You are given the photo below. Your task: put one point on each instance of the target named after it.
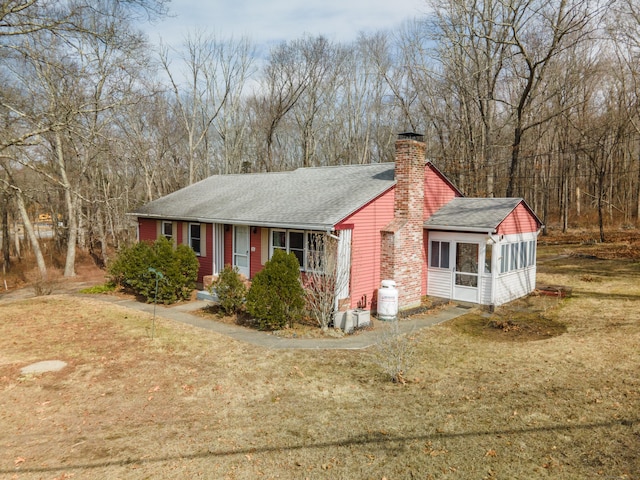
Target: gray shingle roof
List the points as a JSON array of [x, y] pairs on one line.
[[313, 198], [472, 214]]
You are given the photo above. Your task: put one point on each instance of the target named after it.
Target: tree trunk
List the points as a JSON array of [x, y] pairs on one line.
[[28, 228], [72, 227], [6, 244], [515, 156], [102, 238], [600, 213], [16, 239]]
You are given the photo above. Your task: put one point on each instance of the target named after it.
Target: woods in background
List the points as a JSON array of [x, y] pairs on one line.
[[530, 98]]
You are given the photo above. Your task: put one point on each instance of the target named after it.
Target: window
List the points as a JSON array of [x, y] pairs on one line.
[[532, 252], [279, 239], [514, 257], [296, 246], [167, 230], [315, 251], [439, 254], [504, 260], [194, 237], [307, 246], [488, 250], [517, 256]]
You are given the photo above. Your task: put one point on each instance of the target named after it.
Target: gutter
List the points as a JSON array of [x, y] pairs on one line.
[[453, 228], [225, 221]]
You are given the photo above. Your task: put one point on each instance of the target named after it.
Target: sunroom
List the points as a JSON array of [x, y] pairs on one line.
[[482, 250]]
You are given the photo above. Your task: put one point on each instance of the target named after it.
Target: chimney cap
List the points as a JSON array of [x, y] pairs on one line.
[[411, 136]]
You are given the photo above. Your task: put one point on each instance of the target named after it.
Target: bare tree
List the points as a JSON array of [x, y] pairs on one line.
[[321, 278], [285, 78], [217, 71], [72, 80], [472, 54], [10, 184], [539, 32]]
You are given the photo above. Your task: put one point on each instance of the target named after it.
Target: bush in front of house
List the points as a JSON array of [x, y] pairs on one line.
[[178, 268], [276, 297], [230, 290]]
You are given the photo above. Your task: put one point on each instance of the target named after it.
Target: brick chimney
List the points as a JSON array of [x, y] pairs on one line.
[[402, 242]]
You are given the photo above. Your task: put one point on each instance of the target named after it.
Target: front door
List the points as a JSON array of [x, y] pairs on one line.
[[241, 249], [465, 285]]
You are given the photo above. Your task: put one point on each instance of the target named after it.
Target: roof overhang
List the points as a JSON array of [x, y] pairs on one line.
[[323, 227], [453, 228]]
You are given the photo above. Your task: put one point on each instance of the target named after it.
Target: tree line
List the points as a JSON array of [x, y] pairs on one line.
[[530, 98]]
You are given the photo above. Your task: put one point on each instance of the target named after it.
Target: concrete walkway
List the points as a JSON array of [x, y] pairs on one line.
[[359, 340]]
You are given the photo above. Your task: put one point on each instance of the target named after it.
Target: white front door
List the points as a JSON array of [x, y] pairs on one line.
[[241, 249], [465, 281]]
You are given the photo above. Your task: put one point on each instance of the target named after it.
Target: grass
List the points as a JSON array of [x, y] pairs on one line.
[[194, 404], [99, 289]]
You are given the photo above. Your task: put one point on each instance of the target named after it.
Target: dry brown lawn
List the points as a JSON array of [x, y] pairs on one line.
[[194, 404]]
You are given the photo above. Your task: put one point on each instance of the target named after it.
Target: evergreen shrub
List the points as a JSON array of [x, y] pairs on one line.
[[230, 290], [276, 297], [178, 267]]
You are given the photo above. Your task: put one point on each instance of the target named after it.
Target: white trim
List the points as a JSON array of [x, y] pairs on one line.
[[246, 271], [304, 267], [171, 236], [343, 272], [218, 248]]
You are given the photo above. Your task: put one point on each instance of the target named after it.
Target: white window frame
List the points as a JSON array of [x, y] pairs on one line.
[[308, 251], [532, 252], [517, 255], [163, 231], [303, 266], [287, 248], [504, 258], [448, 257]]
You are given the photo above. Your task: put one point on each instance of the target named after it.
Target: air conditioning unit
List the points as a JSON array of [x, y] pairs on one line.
[[361, 318]]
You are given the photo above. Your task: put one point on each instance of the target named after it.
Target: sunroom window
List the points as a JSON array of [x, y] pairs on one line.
[[517, 256], [439, 254]]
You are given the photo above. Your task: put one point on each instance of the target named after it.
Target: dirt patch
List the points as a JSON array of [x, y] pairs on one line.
[[527, 319], [511, 327], [23, 280]]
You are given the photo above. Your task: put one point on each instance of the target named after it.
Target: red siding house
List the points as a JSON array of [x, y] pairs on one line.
[[402, 221]]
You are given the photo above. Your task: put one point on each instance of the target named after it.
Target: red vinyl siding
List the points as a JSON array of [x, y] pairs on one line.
[[147, 229], [520, 220], [255, 255], [365, 246], [206, 261], [437, 192]]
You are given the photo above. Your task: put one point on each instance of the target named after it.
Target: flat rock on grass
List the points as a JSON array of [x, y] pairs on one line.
[[44, 366]]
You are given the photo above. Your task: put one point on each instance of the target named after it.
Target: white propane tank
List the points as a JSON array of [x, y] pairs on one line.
[[387, 300]]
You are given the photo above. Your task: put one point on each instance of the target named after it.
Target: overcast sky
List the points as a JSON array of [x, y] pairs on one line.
[[269, 21]]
